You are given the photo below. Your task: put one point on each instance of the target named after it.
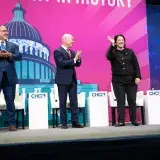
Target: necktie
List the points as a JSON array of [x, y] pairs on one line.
[[69, 53], [2, 46]]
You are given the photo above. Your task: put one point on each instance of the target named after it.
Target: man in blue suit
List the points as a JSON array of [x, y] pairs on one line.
[[9, 53], [66, 80]]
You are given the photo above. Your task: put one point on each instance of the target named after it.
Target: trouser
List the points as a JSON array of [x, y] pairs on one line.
[[9, 95], [120, 90], [62, 91]]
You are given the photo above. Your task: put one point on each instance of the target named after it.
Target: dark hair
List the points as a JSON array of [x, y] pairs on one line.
[[119, 35]]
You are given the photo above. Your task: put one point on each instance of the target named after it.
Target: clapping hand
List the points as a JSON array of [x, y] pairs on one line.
[[78, 54], [5, 54]]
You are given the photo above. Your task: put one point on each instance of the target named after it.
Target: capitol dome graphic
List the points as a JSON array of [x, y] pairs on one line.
[[35, 67], [35, 72]]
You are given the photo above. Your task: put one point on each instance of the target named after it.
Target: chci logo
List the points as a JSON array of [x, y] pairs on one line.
[[98, 94], [41, 95], [156, 93]]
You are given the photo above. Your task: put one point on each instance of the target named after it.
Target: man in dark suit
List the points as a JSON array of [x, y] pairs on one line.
[[9, 53], [66, 80]]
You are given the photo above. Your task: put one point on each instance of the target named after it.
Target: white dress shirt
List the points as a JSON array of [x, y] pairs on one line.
[[3, 43], [67, 51]]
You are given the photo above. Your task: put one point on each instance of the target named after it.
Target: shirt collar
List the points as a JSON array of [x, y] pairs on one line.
[[64, 47], [2, 41]]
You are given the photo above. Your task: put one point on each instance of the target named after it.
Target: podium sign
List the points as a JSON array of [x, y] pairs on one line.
[[38, 110], [98, 109], [152, 107]]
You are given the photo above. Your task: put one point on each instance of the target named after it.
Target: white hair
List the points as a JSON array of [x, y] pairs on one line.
[[66, 35]]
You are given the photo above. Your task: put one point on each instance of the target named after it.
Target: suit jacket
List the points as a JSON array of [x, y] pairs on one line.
[[125, 64], [8, 65], [65, 66]]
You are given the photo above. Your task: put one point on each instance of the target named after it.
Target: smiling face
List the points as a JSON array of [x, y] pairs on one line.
[[68, 40], [3, 33], [120, 42]]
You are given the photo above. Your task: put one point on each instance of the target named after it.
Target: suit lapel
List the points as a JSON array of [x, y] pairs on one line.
[[64, 52], [7, 46]]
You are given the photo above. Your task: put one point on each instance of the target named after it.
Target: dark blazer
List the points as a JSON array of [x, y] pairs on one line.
[[123, 64], [8, 65], [65, 66]]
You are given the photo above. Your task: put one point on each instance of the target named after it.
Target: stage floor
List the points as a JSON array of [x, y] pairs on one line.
[[58, 134]]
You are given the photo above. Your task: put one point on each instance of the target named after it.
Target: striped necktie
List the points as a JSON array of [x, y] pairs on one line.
[[69, 53], [3, 46]]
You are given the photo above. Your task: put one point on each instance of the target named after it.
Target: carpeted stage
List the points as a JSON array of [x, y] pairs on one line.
[[97, 143]]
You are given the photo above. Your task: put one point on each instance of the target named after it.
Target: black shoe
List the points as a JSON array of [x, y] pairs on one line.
[[77, 125], [12, 128], [135, 123], [64, 127], [119, 124]]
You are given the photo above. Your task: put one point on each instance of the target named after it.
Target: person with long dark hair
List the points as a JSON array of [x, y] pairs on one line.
[[126, 76]]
